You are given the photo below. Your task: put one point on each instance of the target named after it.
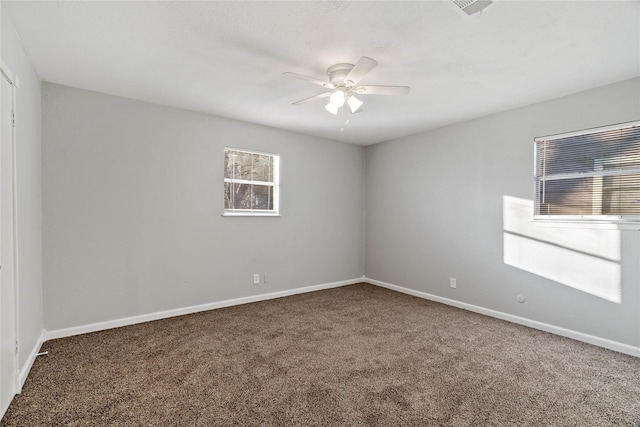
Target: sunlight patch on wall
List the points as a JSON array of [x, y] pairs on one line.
[[584, 259]]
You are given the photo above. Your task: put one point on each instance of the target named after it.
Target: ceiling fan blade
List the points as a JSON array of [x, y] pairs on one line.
[[309, 79], [361, 69], [382, 90], [312, 98]]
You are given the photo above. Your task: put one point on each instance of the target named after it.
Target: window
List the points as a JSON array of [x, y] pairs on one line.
[[250, 183], [589, 175]]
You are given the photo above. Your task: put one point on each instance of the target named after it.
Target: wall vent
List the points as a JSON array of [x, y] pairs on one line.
[[472, 6]]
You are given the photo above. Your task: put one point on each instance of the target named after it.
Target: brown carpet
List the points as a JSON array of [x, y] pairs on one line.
[[355, 356]]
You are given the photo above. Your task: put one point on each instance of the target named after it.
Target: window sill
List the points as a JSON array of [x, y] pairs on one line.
[[586, 223], [254, 214]]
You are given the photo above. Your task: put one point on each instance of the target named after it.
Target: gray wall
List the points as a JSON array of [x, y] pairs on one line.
[[456, 202], [132, 203], [28, 193]]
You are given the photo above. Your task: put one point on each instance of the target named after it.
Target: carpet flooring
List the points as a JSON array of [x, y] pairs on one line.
[[358, 355]]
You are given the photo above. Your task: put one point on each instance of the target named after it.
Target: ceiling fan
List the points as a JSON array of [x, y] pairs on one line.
[[342, 86]]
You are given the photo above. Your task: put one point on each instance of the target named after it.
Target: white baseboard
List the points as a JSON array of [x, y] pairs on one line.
[[94, 327], [24, 370], [579, 336]]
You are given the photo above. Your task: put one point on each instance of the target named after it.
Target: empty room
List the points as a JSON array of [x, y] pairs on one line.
[[319, 213]]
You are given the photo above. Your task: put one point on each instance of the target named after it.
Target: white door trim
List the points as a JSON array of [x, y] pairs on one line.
[[13, 81]]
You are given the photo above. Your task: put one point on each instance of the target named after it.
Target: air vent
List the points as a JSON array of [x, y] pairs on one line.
[[472, 6]]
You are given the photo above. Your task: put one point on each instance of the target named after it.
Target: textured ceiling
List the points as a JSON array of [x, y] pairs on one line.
[[226, 58]]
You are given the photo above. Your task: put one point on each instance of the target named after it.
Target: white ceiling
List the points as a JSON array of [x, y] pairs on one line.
[[226, 58]]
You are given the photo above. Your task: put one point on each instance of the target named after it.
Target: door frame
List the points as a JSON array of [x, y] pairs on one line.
[[13, 81]]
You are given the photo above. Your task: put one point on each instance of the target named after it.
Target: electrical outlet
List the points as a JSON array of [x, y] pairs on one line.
[[265, 278], [256, 279], [452, 282]]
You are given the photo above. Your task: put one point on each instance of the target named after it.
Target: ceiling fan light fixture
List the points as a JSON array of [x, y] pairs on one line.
[[344, 79], [354, 104], [332, 108], [337, 98]]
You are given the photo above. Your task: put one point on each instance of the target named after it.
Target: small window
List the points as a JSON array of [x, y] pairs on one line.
[[251, 184], [589, 175]]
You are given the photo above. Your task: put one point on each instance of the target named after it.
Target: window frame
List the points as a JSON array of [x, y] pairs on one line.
[[594, 219], [275, 183]]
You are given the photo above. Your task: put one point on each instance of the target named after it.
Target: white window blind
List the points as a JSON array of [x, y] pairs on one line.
[[251, 183], [589, 175]]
